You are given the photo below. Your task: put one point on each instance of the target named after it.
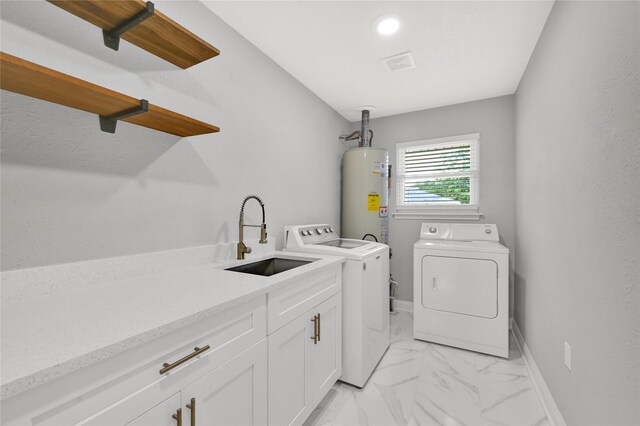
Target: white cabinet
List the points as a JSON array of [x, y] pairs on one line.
[[305, 360], [234, 394], [288, 389], [222, 369], [325, 356], [160, 415], [131, 410], [129, 388], [289, 302]]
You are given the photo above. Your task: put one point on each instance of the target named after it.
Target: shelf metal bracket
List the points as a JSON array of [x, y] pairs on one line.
[[112, 37], [108, 122]]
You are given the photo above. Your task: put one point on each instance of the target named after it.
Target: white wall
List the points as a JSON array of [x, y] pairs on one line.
[[72, 193], [577, 210], [494, 120]]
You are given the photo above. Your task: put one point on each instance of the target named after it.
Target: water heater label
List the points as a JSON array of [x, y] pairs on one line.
[[373, 202], [377, 167]]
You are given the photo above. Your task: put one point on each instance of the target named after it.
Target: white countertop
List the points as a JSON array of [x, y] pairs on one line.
[[47, 336]]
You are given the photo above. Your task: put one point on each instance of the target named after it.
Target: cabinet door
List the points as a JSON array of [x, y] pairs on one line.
[[289, 401], [132, 410], [325, 356], [233, 394], [160, 415]]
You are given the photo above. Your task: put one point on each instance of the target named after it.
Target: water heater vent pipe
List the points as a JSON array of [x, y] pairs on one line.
[[365, 136], [365, 142]]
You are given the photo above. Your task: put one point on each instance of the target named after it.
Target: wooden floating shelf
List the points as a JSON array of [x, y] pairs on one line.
[[27, 78], [158, 34]]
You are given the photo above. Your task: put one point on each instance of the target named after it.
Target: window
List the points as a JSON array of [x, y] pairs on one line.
[[438, 178]]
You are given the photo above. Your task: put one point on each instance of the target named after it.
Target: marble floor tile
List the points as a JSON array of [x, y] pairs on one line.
[[423, 383], [448, 388]]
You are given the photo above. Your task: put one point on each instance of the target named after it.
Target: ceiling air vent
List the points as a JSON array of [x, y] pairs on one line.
[[402, 61]]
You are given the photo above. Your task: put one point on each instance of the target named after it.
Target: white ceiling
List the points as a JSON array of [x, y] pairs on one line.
[[464, 50]]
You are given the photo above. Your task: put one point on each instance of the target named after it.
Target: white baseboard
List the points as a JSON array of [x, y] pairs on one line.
[[403, 305], [549, 405]]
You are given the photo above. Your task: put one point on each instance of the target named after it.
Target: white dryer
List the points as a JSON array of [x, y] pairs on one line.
[[461, 287], [365, 295]]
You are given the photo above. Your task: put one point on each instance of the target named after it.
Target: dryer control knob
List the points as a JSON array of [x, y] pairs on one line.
[[318, 231], [488, 231], [433, 229]]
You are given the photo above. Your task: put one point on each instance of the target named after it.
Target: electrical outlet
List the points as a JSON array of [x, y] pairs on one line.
[[567, 356]]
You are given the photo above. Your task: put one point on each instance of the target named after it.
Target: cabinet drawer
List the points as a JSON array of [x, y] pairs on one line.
[[288, 303], [80, 395], [127, 412], [242, 380]]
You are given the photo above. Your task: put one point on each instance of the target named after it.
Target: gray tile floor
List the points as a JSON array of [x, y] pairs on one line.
[[420, 383]]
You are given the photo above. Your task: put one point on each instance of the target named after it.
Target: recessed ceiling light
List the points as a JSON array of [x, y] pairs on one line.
[[387, 24]]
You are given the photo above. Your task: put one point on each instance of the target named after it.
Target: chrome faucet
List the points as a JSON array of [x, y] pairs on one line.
[[242, 247]]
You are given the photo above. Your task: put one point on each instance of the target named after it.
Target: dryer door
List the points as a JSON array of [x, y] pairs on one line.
[[460, 285]]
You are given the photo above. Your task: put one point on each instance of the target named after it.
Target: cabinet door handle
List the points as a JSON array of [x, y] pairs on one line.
[[377, 257], [192, 406], [315, 329], [434, 287], [319, 322], [364, 266], [196, 351], [178, 417]]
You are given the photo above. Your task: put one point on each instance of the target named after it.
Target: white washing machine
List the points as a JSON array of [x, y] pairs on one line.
[[365, 295], [461, 287]]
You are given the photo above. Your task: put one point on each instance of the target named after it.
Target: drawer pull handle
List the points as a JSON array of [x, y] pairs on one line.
[[192, 406], [196, 351], [316, 324], [178, 417]]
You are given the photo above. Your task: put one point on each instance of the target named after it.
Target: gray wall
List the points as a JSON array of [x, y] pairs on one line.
[[577, 210], [72, 193], [494, 120]]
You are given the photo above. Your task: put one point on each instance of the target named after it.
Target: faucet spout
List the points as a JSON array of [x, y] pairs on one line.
[[242, 247]]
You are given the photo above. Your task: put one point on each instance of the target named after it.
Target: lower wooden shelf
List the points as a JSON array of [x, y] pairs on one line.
[[24, 77]]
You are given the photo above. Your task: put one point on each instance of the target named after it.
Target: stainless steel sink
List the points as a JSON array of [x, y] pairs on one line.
[[269, 267]]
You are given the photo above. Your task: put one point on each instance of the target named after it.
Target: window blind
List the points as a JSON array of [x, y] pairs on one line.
[[432, 174]]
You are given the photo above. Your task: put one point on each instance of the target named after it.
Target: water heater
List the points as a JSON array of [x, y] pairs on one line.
[[365, 193]]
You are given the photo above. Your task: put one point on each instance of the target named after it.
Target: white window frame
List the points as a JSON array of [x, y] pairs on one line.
[[447, 211]]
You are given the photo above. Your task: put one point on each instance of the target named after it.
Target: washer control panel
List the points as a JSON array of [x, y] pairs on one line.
[[301, 235], [315, 233]]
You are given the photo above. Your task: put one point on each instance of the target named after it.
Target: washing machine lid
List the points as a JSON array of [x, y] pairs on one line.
[[357, 253], [343, 243], [470, 246], [324, 239]]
